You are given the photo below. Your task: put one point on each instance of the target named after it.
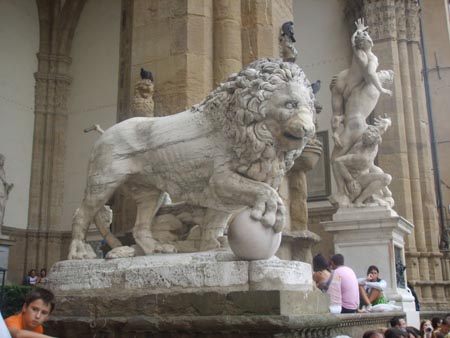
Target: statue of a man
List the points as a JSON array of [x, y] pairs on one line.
[[5, 188], [364, 182]]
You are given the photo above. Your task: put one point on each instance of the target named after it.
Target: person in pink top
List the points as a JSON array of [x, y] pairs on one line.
[[349, 284]]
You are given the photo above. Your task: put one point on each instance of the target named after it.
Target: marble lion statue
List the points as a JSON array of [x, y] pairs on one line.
[[229, 152]]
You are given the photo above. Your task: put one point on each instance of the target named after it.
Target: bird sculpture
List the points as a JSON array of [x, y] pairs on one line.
[[315, 86], [146, 75], [288, 29]]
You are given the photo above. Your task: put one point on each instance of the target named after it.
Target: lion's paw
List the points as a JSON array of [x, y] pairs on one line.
[[165, 248], [210, 244], [270, 211], [80, 250], [121, 252]]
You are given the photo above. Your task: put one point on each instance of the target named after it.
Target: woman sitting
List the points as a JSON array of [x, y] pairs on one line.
[[327, 282], [371, 288]]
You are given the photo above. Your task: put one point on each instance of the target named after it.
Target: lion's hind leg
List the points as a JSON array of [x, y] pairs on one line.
[[148, 204], [94, 199], [213, 227], [79, 249]]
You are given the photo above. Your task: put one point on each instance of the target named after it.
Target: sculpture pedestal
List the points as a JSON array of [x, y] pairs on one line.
[[193, 293], [375, 236], [5, 244], [296, 245]]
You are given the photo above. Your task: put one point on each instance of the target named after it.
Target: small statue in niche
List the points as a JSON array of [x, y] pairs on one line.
[[400, 274], [5, 188], [143, 104], [354, 93], [288, 52]]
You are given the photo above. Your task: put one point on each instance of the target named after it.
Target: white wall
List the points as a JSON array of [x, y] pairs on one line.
[[93, 96], [323, 42], [19, 41]]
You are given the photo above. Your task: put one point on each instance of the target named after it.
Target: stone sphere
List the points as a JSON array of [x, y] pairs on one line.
[[250, 240]]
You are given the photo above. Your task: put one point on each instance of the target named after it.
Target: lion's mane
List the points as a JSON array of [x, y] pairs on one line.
[[238, 106]]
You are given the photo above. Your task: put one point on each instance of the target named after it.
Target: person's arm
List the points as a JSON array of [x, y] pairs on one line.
[[362, 281], [16, 333], [381, 285]]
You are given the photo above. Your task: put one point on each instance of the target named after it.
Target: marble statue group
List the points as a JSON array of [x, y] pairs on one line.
[[232, 150], [354, 93]]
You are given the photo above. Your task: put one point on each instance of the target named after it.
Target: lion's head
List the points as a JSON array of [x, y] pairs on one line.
[[143, 89], [142, 104], [267, 113]]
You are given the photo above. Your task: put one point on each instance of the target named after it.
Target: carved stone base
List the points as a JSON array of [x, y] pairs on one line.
[[196, 293]]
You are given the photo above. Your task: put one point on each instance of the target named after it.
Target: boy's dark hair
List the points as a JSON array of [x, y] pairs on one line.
[[337, 259], [39, 293], [373, 267], [395, 321], [320, 263], [394, 332], [372, 333]]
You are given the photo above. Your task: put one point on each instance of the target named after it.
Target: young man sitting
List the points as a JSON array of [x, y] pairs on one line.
[[39, 303]]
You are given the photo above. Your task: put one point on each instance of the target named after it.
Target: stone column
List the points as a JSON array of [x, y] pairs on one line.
[[57, 27], [47, 174], [125, 85], [227, 37], [298, 240], [261, 23], [57, 21], [435, 20]]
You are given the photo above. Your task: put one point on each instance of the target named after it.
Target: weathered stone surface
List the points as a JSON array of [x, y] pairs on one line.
[[239, 326], [209, 292], [186, 273]]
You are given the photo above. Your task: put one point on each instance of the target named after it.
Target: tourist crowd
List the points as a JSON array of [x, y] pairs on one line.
[[434, 328], [349, 294]]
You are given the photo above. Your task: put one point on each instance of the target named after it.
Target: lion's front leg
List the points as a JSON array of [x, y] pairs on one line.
[[264, 201]]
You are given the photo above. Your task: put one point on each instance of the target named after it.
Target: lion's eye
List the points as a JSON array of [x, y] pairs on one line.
[[291, 104]]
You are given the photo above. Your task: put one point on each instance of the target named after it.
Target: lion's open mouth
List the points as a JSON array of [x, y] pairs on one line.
[[293, 137]]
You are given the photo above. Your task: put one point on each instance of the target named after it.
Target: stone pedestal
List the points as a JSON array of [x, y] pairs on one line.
[[195, 293], [375, 236], [5, 244]]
